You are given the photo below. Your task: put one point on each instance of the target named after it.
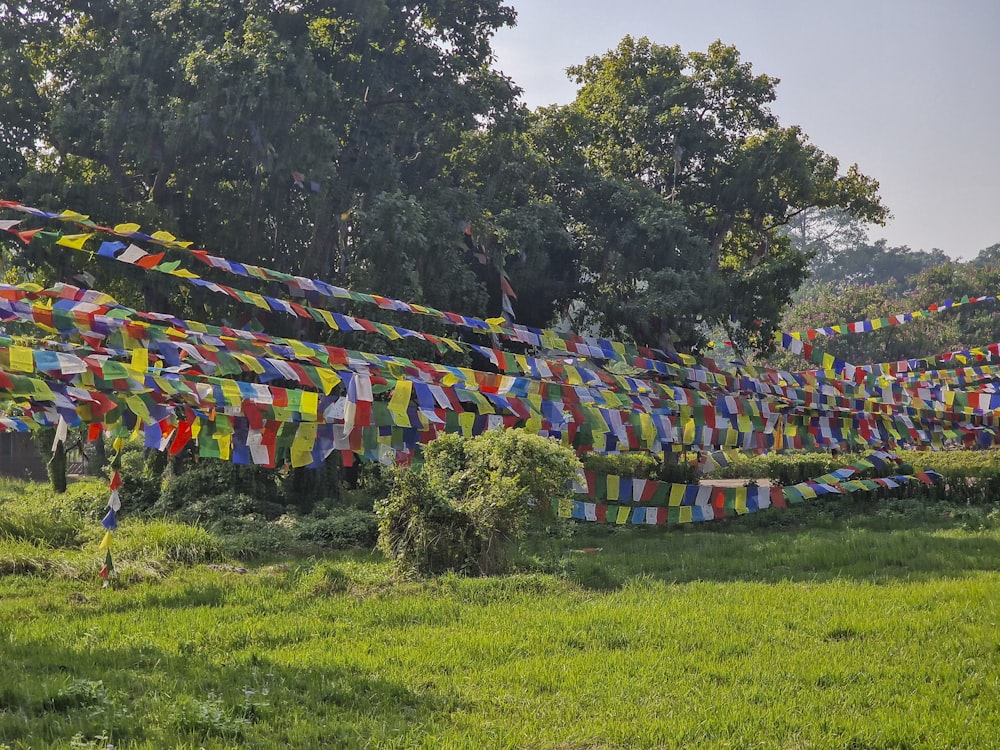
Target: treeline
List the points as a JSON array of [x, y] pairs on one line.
[[375, 145], [889, 290]]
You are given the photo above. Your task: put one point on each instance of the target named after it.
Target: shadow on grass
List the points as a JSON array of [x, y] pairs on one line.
[[54, 694], [868, 550]]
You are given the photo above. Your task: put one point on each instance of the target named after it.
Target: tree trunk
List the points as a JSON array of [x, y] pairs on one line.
[[98, 457], [57, 468]]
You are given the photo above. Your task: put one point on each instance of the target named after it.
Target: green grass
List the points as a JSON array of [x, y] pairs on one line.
[[864, 626]]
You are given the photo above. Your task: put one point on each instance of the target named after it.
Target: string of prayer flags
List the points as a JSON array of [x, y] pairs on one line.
[[874, 324], [662, 503], [571, 343], [110, 524]]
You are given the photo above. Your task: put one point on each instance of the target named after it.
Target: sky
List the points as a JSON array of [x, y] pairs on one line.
[[907, 89]]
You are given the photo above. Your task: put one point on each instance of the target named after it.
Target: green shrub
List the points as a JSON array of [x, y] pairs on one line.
[[245, 539], [345, 529], [214, 490], [635, 464], [303, 488], [462, 509], [969, 463], [422, 531]]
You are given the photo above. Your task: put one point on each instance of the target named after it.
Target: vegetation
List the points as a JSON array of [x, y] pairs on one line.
[[851, 623], [470, 501], [896, 280], [375, 144]]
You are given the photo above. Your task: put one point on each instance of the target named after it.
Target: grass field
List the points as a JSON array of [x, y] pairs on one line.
[[864, 627]]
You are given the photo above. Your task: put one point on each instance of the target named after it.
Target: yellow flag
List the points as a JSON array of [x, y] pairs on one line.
[[400, 401], [106, 541], [139, 408], [302, 444], [614, 483], [467, 420], [329, 379], [140, 359], [741, 500], [21, 359], [225, 443], [74, 241], [252, 362], [309, 404], [231, 393], [677, 494]]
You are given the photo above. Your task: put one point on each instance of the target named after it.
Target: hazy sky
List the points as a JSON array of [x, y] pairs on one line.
[[908, 89]]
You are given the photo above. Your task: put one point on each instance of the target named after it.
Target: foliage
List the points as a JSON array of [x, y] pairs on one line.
[[344, 529], [825, 304], [680, 178], [471, 498], [841, 253], [361, 140], [876, 264], [633, 464], [141, 470], [213, 490], [958, 463], [780, 468], [831, 303], [308, 135]]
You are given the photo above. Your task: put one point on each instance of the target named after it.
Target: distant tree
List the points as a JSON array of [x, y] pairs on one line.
[[824, 233], [988, 256], [977, 324], [875, 264], [829, 304]]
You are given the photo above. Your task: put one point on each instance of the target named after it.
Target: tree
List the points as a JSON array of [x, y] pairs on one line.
[[824, 233], [304, 136], [688, 141], [829, 304], [876, 264], [977, 324]]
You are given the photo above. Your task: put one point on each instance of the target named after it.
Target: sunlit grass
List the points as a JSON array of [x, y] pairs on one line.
[[876, 629]]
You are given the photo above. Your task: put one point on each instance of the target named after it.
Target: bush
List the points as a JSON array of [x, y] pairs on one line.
[[215, 490], [642, 466], [170, 542], [347, 528], [471, 499]]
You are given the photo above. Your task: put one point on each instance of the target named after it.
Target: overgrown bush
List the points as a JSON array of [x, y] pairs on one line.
[[642, 466], [470, 500], [344, 529], [214, 490]]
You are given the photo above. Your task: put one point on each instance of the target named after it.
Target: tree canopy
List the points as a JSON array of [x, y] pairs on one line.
[[680, 179], [374, 144]]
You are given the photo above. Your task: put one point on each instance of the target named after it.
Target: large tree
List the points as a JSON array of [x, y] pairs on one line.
[[307, 136], [678, 179]]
